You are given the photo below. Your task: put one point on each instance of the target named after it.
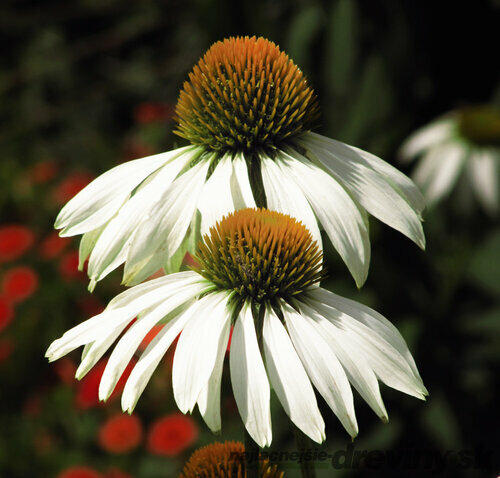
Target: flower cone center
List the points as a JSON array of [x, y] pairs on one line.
[[224, 460], [245, 95], [480, 125], [262, 255]]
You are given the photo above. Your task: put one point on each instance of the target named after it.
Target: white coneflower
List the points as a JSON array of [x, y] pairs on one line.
[[247, 111], [259, 271], [464, 141]]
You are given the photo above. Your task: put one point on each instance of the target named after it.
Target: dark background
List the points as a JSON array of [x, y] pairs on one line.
[[87, 84]]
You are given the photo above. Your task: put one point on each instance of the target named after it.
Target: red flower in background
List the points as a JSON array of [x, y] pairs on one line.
[[19, 283], [116, 473], [90, 305], [149, 112], [172, 434], [72, 185], [6, 312], [6, 349], [68, 266], [53, 245], [87, 395], [120, 433], [150, 336], [65, 369], [137, 149], [15, 240], [43, 171], [79, 472]]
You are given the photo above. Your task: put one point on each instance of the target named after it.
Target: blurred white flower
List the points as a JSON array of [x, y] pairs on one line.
[[465, 141], [259, 271], [247, 111]]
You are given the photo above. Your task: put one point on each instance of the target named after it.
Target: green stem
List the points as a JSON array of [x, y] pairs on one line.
[[304, 444], [251, 456]]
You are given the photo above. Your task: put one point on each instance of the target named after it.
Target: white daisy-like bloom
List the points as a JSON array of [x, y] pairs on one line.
[[258, 272], [246, 111], [465, 141]]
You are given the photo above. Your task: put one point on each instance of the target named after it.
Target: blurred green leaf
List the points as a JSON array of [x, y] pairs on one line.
[[301, 33], [341, 46], [484, 267]]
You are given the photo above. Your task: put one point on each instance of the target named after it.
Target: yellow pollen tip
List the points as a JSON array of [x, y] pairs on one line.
[[245, 95], [260, 254]]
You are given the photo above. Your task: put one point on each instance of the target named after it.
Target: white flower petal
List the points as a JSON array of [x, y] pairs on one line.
[[150, 358], [427, 137], [94, 351], [284, 196], [322, 366], [337, 212], [386, 361], [173, 216], [119, 312], [438, 170], [127, 345], [399, 181], [372, 319], [369, 188], [357, 368], [241, 190], [102, 198], [112, 246], [249, 379], [215, 199], [483, 173], [197, 349], [87, 243], [209, 397], [289, 379]]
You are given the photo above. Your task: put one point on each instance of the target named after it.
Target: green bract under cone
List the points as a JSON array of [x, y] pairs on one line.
[[245, 95]]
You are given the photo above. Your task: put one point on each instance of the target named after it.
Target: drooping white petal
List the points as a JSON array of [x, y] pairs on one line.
[[399, 181], [127, 345], [386, 361], [483, 173], [150, 358], [369, 188], [209, 397], [198, 347], [438, 170], [372, 319], [427, 137], [112, 245], [172, 219], [119, 312], [322, 366], [356, 366], [336, 211], [249, 379], [102, 198], [94, 351], [241, 190], [215, 199], [87, 243], [283, 195], [290, 380]]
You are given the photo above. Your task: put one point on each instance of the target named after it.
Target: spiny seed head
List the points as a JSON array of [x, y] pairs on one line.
[[245, 95], [225, 460], [480, 125], [261, 255]]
